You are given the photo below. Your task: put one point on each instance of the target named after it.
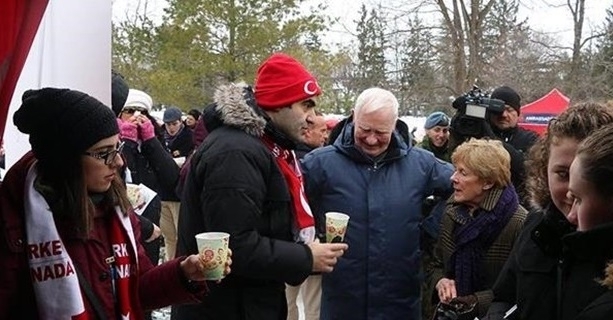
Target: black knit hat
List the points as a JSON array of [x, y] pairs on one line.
[[119, 92], [63, 121], [508, 95]]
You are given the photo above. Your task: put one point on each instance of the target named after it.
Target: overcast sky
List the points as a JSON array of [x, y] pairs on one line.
[[550, 16]]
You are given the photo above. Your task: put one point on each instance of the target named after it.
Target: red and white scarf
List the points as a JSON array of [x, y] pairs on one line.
[[53, 274], [290, 168]]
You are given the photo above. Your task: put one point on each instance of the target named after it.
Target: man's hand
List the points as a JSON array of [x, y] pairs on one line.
[[325, 255]]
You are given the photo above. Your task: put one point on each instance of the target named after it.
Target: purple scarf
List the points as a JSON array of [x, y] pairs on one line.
[[474, 236]]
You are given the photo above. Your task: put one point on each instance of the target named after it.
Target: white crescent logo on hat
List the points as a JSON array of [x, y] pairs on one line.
[[309, 91]]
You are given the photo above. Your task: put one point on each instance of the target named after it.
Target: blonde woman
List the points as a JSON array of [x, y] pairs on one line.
[[479, 227]]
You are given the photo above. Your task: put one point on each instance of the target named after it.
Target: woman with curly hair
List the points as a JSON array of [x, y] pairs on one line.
[[528, 278]]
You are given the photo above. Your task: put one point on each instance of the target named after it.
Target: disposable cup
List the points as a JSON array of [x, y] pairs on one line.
[[336, 225], [213, 250]]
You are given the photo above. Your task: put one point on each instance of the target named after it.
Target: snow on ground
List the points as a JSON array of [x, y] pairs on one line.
[[417, 123]]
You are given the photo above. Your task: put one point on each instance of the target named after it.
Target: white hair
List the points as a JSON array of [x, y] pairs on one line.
[[375, 99]]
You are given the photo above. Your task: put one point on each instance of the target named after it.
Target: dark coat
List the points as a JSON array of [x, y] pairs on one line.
[[519, 138], [517, 141], [302, 150], [599, 309], [574, 287], [157, 287], [379, 276], [585, 256], [235, 186], [183, 142], [152, 166], [528, 278]]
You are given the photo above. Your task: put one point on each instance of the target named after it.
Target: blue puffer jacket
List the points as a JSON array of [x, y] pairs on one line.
[[379, 276]]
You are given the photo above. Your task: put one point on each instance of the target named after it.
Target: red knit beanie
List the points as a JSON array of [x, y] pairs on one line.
[[281, 81]]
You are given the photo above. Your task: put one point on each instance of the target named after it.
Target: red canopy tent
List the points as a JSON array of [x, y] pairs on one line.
[[536, 115]]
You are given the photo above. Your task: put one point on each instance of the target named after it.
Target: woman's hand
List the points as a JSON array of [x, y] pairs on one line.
[[446, 290], [193, 268]]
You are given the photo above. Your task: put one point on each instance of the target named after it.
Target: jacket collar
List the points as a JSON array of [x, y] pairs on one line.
[[235, 107], [506, 133], [398, 147], [593, 245]]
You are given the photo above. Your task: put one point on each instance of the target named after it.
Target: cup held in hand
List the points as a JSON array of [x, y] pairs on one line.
[[336, 225], [213, 251]]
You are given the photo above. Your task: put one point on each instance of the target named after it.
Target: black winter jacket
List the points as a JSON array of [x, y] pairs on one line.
[[517, 141], [558, 280], [184, 143], [519, 138], [585, 256], [152, 166], [528, 278], [235, 186], [599, 309]]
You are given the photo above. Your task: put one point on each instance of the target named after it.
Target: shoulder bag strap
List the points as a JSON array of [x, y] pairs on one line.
[[89, 293]]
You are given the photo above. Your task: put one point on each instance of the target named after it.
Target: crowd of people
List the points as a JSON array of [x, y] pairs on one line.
[[503, 225]]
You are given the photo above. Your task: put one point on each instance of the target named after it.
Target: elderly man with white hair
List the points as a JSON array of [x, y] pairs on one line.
[[372, 173]]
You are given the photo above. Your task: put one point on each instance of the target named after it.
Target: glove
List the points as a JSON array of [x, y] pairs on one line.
[[127, 130], [145, 130]]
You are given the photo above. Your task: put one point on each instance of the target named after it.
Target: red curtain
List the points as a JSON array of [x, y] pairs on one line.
[[19, 21]]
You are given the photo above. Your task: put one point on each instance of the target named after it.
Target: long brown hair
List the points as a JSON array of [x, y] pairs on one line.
[[576, 122], [62, 184]]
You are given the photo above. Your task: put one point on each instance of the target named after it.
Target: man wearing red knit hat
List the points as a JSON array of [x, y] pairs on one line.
[[245, 180]]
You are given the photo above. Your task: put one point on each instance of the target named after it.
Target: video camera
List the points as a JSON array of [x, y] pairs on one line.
[[473, 112]]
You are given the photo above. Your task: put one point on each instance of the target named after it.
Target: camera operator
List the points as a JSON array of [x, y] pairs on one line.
[[504, 124], [477, 116]]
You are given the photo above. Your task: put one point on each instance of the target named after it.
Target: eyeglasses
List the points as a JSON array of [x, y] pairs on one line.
[[107, 156], [131, 110]]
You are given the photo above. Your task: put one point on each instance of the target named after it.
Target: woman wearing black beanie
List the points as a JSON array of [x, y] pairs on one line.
[[71, 246]]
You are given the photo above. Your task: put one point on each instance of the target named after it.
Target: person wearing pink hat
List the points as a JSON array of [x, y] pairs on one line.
[[245, 180]]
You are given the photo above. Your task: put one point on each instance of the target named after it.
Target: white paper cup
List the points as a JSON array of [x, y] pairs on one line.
[[213, 250], [336, 226]]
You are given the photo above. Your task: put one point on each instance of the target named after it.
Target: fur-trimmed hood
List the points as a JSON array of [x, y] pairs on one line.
[[235, 107]]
